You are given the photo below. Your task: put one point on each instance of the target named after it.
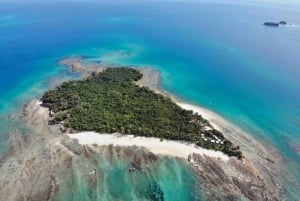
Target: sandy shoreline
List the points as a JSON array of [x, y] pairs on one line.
[[155, 145], [217, 121], [249, 146], [45, 159], [50, 153], [252, 148]]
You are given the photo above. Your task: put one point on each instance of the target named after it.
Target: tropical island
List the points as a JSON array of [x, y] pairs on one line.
[[69, 140], [112, 102]]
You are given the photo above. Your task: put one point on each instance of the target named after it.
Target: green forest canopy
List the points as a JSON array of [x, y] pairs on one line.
[[111, 102]]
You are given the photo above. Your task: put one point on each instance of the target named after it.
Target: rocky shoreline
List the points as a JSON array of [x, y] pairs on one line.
[[39, 164]]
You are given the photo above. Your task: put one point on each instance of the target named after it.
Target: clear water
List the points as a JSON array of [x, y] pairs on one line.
[[215, 55], [169, 179]]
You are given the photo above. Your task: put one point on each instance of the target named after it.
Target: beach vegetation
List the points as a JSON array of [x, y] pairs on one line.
[[111, 102]]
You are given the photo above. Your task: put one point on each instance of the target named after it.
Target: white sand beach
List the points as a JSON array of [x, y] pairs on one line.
[[155, 145], [249, 146], [51, 151], [180, 149], [215, 119]]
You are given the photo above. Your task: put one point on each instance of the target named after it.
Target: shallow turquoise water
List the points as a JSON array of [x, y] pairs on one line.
[[215, 55], [168, 180]]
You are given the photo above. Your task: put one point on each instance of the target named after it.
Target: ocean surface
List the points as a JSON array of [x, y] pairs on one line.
[[215, 55]]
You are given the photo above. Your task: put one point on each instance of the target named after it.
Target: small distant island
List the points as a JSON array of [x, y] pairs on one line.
[[112, 102], [275, 24]]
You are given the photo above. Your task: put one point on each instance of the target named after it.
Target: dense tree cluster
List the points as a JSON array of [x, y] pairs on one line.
[[111, 102]]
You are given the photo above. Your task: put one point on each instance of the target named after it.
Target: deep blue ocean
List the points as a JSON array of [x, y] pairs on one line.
[[212, 54]]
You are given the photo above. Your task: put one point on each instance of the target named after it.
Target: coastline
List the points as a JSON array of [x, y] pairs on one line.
[[248, 144], [250, 147], [256, 177], [213, 167], [155, 145]]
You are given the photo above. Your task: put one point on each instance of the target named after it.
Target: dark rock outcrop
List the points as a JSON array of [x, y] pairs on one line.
[[234, 180], [282, 23], [46, 163], [271, 24], [275, 24]]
